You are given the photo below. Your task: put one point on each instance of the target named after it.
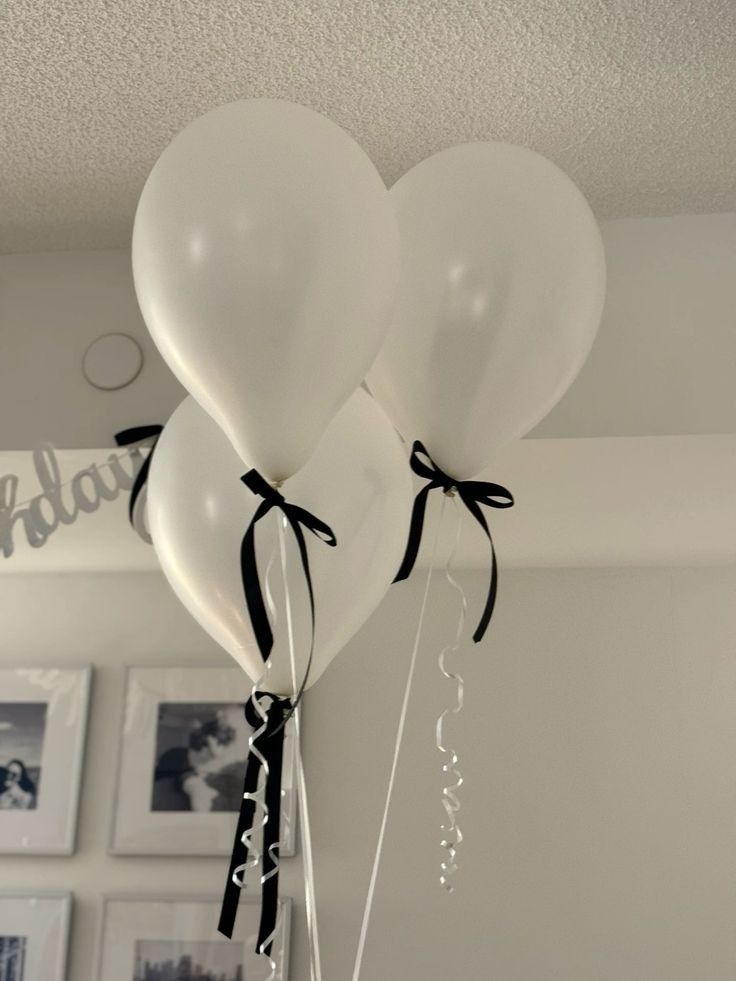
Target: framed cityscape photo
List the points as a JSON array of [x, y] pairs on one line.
[[43, 719], [155, 939], [33, 937], [182, 762]]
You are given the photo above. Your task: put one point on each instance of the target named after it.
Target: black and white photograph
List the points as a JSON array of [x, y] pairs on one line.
[[180, 960], [201, 751], [12, 958], [176, 939], [43, 721], [22, 728], [33, 937], [183, 754]]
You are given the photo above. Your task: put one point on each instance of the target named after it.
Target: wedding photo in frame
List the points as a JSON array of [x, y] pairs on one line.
[[34, 933], [43, 720], [152, 938], [182, 760]]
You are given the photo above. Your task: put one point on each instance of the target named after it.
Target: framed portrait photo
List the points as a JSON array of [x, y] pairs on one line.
[[33, 937], [182, 761], [167, 939], [43, 719]]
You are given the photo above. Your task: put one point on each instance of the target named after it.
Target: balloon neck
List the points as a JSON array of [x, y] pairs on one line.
[[451, 492]]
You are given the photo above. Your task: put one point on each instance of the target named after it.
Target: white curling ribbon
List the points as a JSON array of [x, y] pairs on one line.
[[254, 853], [271, 962], [398, 742], [450, 799], [258, 798], [249, 835], [271, 607], [273, 849]]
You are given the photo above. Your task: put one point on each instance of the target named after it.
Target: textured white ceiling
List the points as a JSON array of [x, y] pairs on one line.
[[636, 99]]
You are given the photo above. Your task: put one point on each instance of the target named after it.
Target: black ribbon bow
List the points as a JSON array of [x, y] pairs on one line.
[[127, 437], [270, 744], [472, 493], [297, 518], [267, 746]]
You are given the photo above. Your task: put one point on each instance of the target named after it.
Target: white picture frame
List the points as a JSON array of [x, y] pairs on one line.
[[43, 723], [138, 929], [163, 809], [34, 935]]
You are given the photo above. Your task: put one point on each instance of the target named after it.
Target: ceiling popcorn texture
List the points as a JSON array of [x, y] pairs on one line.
[[635, 99]]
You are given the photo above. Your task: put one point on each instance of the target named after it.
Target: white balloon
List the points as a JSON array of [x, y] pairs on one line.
[[265, 259], [500, 297], [357, 481]]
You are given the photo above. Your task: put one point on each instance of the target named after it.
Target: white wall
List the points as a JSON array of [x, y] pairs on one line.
[[598, 745], [664, 359], [52, 306]]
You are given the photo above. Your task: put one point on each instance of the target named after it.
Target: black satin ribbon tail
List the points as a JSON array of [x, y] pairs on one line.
[[269, 745], [128, 437], [298, 518], [472, 493]]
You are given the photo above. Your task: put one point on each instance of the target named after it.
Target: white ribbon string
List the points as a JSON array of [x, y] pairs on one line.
[[315, 963], [397, 752], [450, 800], [249, 836]]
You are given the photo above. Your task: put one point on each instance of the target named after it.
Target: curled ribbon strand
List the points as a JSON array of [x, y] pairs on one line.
[[266, 755], [368, 908], [267, 742], [472, 493], [249, 836], [297, 517], [450, 793], [252, 857], [249, 853]]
